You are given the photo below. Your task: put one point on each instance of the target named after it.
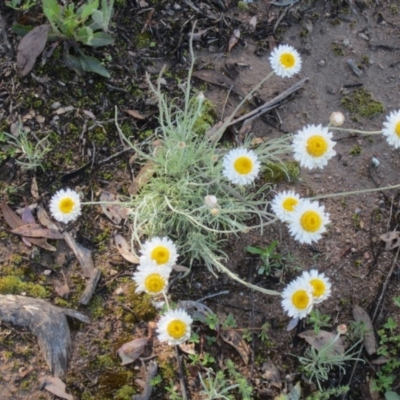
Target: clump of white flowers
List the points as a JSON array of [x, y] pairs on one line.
[[299, 297]]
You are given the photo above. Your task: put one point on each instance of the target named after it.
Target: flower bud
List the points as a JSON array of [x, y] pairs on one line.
[[341, 329], [215, 212], [336, 118], [201, 97], [211, 201]]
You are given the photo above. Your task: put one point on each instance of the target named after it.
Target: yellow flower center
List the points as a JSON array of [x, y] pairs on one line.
[[160, 255], [301, 299], [397, 129], [243, 165], [66, 205], [289, 203], [317, 146], [287, 60], [154, 283], [176, 328], [311, 221], [318, 287]]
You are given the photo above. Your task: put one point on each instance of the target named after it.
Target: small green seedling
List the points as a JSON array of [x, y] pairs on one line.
[[21, 5], [269, 258], [318, 320], [87, 25]]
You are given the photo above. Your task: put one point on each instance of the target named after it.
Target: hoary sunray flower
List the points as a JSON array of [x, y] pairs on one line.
[[313, 146], [321, 287], [297, 298], [285, 61], [174, 327], [391, 129], [159, 252], [65, 205], [284, 204], [241, 166], [308, 221], [150, 279]]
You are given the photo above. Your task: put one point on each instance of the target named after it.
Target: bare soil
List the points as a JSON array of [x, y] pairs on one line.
[[351, 254]]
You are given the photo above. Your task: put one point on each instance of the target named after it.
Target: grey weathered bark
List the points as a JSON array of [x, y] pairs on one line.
[[47, 322]]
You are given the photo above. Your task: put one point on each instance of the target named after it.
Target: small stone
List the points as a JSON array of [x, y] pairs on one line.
[[322, 63], [47, 272], [346, 42]]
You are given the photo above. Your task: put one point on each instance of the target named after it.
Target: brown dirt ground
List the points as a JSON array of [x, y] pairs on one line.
[[351, 253]]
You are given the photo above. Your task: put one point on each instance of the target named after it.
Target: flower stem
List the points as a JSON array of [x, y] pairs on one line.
[[327, 196], [333, 128]]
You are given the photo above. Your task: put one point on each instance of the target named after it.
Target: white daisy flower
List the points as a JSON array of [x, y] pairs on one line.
[[285, 61], [152, 280], [391, 129], [308, 221], [174, 327], [313, 146], [297, 298], [284, 204], [65, 205], [241, 166], [159, 252], [321, 287]]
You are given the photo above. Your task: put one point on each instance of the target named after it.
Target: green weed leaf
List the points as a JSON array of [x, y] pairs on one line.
[[87, 9], [101, 39]]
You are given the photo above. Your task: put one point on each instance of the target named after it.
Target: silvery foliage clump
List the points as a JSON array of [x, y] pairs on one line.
[[187, 167]]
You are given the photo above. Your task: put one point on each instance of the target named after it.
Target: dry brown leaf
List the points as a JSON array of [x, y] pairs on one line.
[[61, 288], [45, 220], [34, 188], [14, 221], [234, 338], [125, 250], [391, 239], [136, 114], [322, 338], [144, 175], [37, 231], [233, 39], [83, 255], [114, 212], [131, 351], [56, 386], [27, 216], [370, 343], [30, 46], [89, 114], [187, 348], [271, 374], [180, 268], [253, 23], [217, 78]]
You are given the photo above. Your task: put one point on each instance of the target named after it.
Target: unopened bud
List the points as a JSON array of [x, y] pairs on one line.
[[336, 118], [181, 145], [215, 212], [341, 329], [210, 201], [214, 158], [201, 97]]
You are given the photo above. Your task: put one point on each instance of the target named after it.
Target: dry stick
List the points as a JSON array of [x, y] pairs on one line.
[[269, 105], [181, 377], [378, 304]]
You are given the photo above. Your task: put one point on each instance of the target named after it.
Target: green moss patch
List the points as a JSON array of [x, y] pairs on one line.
[[14, 285], [362, 103]]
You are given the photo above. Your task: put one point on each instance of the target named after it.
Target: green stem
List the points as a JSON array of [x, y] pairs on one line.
[[327, 196], [333, 128]]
